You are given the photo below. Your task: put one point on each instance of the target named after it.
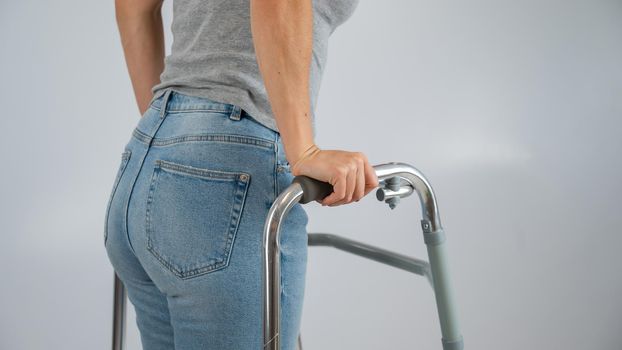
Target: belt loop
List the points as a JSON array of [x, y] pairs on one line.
[[165, 100], [236, 112]]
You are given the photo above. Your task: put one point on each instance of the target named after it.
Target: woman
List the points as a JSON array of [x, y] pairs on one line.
[[227, 122]]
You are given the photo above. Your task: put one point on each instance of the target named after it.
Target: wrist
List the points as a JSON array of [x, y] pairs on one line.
[[307, 153], [295, 150]]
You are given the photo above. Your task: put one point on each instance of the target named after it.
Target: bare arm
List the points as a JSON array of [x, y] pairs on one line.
[[142, 37], [283, 39], [282, 35]]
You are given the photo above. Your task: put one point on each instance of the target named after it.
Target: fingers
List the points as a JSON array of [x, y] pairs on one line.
[[371, 179], [350, 186], [354, 179], [359, 192], [339, 189]]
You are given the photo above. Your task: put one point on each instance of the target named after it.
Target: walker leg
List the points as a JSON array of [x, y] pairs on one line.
[[299, 347], [450, 329], [118, 315]]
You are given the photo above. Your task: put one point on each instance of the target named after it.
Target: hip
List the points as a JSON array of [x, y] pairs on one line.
[[195, 163]]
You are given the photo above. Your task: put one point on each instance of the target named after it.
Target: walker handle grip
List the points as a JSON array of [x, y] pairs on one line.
[[312, 189]]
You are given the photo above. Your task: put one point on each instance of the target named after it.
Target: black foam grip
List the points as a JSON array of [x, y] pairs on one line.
[[312, 189]]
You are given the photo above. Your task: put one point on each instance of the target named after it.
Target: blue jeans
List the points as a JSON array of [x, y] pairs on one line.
[[184, 226]]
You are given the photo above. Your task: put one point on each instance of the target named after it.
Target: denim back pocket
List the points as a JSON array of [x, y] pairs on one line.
[[192, 216], [125, 157]]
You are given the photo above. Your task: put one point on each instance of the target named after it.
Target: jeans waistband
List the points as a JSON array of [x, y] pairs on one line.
[[179, 102], [174, 101]]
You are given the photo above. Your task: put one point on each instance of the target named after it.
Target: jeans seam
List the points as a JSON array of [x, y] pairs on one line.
[[191, 110], [125, 157], [225, 138], [276, 164]]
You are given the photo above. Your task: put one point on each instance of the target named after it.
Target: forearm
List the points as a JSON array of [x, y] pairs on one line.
[[142, 38], [282, 35]]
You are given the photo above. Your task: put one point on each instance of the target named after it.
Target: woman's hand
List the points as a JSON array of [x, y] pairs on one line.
[[350, 174]]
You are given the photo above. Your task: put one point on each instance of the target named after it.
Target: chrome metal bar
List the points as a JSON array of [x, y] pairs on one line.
[[271, 263], [404, 262], [433, 234], [429, 208], [118, 315]]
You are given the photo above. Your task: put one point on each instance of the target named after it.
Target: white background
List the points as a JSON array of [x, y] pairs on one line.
[[512, 110]]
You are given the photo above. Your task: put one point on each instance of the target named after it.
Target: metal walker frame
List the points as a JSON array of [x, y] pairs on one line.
[[396, 180]]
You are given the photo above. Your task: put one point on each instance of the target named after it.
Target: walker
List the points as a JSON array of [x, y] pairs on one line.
[[396, 180]]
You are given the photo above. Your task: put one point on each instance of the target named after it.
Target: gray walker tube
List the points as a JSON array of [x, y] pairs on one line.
[[397, 180]]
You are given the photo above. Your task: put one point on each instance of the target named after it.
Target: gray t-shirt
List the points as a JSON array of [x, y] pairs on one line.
[[213, 55]]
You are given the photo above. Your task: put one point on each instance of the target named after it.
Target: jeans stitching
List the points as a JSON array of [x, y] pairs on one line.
[[125, 157], [276, 164], [190, 110], [202, 172], [227, 138], [192, 270]]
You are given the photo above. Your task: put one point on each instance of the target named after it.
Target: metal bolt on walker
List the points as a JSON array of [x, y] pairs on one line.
[[392, 190]]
